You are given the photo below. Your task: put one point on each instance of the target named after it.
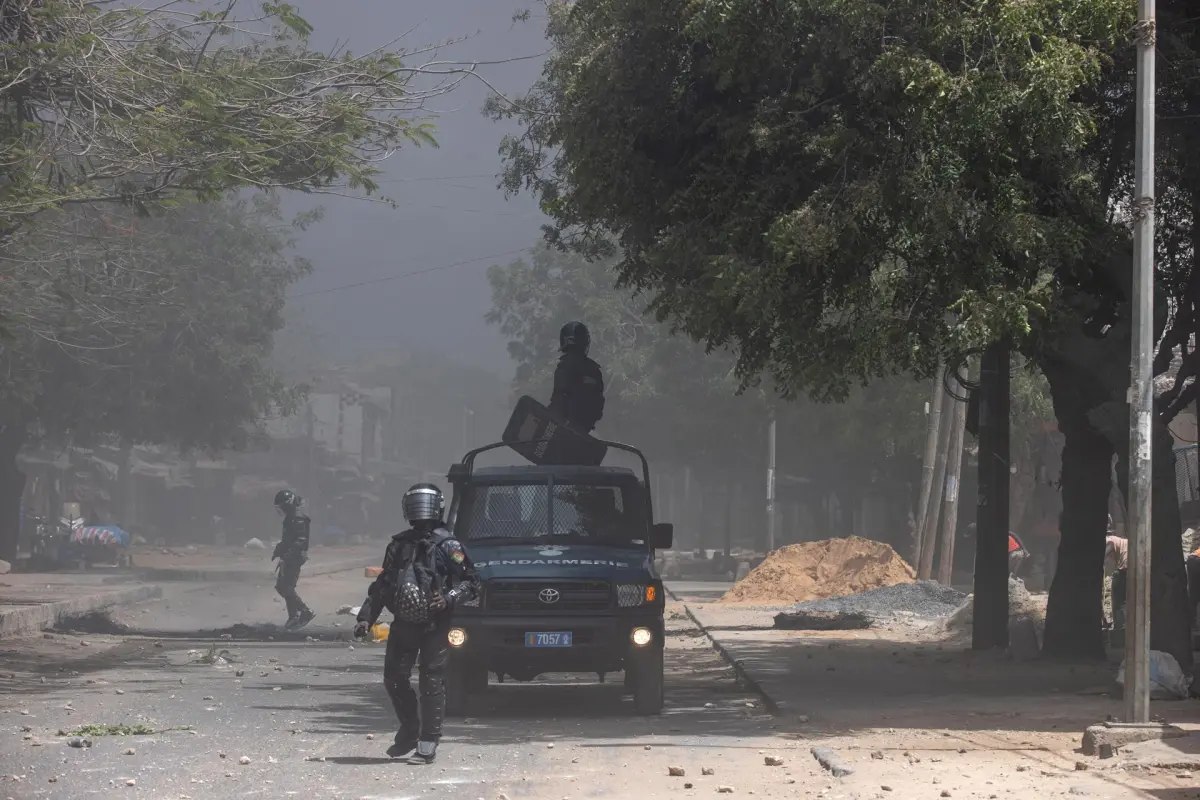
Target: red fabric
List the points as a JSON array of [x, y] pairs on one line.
[[1013, 544]]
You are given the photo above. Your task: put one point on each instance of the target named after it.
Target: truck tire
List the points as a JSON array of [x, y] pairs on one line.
[[463, 684], [648, 685]]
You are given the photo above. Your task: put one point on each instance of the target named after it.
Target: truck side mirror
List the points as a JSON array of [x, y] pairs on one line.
[[458, 473], [662, 536]]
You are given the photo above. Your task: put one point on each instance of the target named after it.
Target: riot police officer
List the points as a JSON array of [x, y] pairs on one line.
[[425, 574], [292, 552], [578, 395]]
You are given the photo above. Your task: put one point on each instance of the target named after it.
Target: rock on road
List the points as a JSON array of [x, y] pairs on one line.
[[290, 717]]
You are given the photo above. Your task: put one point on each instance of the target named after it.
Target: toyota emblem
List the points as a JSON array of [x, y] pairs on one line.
[[549, 596]]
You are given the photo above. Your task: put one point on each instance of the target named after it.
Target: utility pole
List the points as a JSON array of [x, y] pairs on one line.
[[1141, 391], [933, 429], [929, 531], [771, 484], [958, 426], [991, 552]]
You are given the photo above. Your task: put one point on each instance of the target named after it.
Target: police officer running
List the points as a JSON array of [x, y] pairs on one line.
[[578, 395], [425, 574], [292, 552]]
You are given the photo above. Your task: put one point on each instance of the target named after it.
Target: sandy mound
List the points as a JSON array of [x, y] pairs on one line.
[[817, 570]]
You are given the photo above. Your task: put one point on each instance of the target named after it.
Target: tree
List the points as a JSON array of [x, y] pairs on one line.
[[682, 405], [105, 102], [852, 190], [161, 333]]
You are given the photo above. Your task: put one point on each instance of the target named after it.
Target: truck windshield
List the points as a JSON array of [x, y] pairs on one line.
[[604, 514]]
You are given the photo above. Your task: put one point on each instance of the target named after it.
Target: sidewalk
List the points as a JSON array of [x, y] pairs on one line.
[[31, 602], [889, 699], [217, 564]]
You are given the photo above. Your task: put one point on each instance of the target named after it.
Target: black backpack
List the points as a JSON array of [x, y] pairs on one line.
[[416, 579]]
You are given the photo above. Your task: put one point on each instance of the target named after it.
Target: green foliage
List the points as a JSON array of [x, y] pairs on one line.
[[666, 394], [157, 330], [839, 190], [107, 102]]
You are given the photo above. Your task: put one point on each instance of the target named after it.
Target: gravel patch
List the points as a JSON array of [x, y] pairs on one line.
[[922, 601]]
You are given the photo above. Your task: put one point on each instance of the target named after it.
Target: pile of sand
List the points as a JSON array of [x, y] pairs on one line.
[[817, 570]]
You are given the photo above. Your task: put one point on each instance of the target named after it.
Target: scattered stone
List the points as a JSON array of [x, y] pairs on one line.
[[5, 567], [120, 691], [709, 705], [129, 751], [772, 761], [1080, 766], [1106, 751], [724, 790], [240, 673], [830, 760], [707, 771], [886, 788], [687, 786], [877, 755], [802, 719], [221, 755], [675, 772], [244, 760], [131, 782], [647, 747], [945, 792], [83, 643], [208, 697], [53, 779], [227, 636], [315, 758], [79, 741], [370, 736], [1078, 790], [255, 544]]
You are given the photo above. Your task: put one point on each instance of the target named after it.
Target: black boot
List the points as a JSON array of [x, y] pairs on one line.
[[403, 745], [300, 620], [426, 752]]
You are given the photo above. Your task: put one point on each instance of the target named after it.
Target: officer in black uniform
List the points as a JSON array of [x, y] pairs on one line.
[[425, 643], [578, 383], [292, 552]]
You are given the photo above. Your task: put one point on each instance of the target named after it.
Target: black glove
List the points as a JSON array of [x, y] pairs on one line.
[[360, 629], [437, 601], [279, 551]]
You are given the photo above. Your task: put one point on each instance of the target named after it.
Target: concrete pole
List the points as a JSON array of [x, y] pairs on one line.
[[954, 459], [1141, 391], [771, 485], [932, 431], [929, 531]]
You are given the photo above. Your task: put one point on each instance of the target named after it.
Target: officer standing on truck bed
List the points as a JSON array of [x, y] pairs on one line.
[[425, 574], [578, 395]]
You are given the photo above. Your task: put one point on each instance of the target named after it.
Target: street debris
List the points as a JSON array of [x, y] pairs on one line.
[[79, 742], [244, 760], [773, 761], [816, 570], [675, 772], [255, 544], [920, 601], [707, 771], [821, 621], [832, 762]]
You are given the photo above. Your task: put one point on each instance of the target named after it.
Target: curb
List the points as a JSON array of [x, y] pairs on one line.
[[240, 575], [776, 708], [38, 617]]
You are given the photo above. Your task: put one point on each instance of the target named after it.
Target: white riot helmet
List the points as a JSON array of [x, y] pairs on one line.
[[424, 502]]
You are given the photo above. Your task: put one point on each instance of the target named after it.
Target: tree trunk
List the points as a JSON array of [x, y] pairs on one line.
[[1074, 614], [932, 437], [991, 551], [124, 489], [933, 510], [12, 487], [1170, 621]]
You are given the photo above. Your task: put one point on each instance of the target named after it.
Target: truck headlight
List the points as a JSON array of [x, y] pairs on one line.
[[641, 636], [456, 637], [635, 594]]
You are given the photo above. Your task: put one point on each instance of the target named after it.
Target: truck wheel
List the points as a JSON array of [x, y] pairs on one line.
[[648, 685]]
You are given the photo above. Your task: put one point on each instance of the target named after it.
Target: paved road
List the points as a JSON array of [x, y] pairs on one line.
[[313, 720]]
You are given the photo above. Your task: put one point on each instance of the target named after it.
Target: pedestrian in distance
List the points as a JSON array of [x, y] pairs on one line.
[[425, 574], [292, 552]]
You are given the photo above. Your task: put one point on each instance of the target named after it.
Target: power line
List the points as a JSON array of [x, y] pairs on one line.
[[440, 178], [404, 275]]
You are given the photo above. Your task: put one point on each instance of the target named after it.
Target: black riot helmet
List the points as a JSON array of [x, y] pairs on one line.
[[574, 336], [288, 501], [423, 503]]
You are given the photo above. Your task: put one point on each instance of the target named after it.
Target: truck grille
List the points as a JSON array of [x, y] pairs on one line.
[[526, 596]]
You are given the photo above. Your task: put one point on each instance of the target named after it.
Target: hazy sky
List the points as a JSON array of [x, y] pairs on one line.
[[449, 207]]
